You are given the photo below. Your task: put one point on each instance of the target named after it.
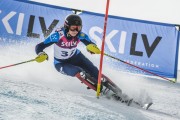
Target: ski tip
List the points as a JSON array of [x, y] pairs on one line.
[[146, 106]]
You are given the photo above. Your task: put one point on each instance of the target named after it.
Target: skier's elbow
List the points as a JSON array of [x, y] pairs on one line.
[[39, 48]]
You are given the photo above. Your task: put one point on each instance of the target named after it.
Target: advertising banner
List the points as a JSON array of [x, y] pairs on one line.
[[149, 45]]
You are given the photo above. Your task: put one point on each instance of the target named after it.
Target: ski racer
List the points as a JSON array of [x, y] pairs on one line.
[[70, 61]]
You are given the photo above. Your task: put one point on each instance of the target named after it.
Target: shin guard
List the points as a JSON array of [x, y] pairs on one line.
[[87, 80]]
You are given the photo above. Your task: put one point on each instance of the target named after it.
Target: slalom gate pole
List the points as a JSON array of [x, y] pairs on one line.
[[18, 63], [139, 68], [102, 51]]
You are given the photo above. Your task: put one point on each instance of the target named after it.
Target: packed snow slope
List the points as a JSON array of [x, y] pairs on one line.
[[22, 100], [36, 91]]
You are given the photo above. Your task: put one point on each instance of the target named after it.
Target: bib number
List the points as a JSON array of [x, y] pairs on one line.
[[65, 53]]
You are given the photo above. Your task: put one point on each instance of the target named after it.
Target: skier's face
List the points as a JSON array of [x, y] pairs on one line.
[[73, 30]]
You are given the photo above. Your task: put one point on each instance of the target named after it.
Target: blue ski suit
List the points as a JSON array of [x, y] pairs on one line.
[[68, 59]]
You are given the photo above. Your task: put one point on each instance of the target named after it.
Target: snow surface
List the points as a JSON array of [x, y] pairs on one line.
[[35, 91], [21, 100]]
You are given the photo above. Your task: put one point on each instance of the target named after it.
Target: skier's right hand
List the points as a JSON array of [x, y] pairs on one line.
[[42, 56]]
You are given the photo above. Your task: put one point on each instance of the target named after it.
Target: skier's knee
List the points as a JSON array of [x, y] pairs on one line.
[[84, 78], [83, 74]]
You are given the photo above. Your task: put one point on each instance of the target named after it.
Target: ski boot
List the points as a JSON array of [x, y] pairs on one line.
[[112, 90]]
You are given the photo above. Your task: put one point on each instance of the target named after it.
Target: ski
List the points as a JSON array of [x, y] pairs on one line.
[[119, 96], [129, 102], [145, 106], [132, 103]]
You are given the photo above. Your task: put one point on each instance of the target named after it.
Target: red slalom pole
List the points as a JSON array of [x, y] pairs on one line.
[[102, 51]]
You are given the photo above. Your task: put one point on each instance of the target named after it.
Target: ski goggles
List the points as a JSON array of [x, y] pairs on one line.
[[75, 28]]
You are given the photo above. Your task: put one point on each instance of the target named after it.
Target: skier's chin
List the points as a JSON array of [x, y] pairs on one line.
[[73, 34]]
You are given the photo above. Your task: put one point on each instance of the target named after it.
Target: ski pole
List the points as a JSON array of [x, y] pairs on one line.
[[96, 50], [18, 63], [39, 59]]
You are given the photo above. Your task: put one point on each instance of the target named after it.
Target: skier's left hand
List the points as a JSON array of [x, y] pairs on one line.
[[42, 56], [93, 49]]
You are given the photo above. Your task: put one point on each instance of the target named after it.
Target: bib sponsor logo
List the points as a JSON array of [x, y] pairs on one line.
[[69, 44]]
